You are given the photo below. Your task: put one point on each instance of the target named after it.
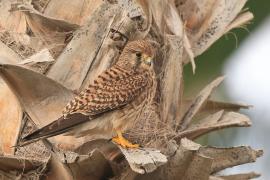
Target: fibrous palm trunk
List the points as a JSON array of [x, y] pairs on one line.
[[73, 42]]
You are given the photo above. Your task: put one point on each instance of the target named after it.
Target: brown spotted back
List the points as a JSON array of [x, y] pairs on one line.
[[113, 89]]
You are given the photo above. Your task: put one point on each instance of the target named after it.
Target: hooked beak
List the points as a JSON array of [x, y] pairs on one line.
[[148, 60]]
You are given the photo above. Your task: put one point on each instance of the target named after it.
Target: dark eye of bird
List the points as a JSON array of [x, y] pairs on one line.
[[138, 54]]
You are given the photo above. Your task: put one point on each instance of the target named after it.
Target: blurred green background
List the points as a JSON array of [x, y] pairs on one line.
[[209, 64]]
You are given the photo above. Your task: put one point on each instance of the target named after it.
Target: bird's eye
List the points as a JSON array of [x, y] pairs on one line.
[[138, 54]]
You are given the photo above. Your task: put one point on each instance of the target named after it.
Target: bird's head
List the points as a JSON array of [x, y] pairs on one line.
[[138, 54]]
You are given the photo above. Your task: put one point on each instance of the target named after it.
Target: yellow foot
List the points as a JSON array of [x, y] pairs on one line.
[[123, 142]]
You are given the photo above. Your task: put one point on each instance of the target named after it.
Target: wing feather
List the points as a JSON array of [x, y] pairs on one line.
[[112, 89]]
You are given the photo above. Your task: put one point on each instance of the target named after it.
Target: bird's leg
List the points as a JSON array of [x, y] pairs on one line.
[[119, 139]]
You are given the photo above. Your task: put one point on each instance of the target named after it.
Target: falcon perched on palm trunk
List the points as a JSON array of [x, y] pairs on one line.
[[120, 93]]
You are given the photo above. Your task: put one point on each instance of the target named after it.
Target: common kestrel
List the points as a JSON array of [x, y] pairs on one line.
[[120, 94]]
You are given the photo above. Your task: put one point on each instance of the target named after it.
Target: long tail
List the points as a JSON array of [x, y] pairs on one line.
[[57, 127]]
